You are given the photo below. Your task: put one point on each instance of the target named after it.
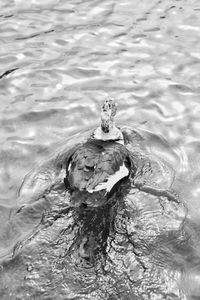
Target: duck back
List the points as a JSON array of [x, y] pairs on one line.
[[97, 165]]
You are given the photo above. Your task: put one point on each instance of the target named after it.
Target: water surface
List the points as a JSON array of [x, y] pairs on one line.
[[59, 60]]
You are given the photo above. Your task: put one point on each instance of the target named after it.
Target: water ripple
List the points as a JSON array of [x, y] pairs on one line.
[[59, 61]]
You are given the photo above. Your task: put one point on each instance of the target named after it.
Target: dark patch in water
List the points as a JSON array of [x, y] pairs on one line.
[[28, 37], [8, 72], [152, 29], [181, 88], [48, 31], [8, 16], [33, 35], [141, 19]]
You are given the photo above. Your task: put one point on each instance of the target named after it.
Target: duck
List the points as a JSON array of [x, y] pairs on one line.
[[98, 167]]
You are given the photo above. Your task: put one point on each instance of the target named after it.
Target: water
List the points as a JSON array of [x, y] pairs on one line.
[[58, 62]]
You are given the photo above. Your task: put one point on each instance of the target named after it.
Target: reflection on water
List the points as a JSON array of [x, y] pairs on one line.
[[58, 61]]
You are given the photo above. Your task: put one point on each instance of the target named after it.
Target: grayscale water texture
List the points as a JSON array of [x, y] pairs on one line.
[[58, 61]]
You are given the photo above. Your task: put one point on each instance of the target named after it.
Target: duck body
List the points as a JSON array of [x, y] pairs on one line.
[[95, 169], [93, 164], [150, 172], [98, 166]]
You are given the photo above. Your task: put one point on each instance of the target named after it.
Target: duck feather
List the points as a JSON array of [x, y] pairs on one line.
[[98, 165]]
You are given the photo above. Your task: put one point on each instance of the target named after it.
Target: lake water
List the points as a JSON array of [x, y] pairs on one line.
[[58, 61]]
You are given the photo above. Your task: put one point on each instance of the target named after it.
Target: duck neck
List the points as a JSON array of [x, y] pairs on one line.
[[108, 131], [107, 122]]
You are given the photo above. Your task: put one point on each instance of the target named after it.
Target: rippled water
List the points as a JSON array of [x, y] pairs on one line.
[[59, 60]]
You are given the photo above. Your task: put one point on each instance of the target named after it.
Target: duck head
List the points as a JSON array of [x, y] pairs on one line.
[[107, 129]]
